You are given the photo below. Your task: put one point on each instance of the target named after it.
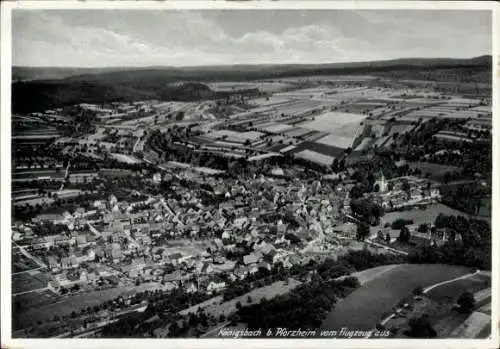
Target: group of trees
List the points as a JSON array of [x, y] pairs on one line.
[[466, 198], [304, 308], [400, 223], [162, 307], [366, 210], [473, 249]]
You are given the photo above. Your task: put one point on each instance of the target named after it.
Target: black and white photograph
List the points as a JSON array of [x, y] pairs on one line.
[[250, 172]]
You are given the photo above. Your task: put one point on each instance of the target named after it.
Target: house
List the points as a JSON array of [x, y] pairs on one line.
[[204, 268], [226, 234], [157, 177], [264, 265], [381, 183], [69, 262], [216, 285], [253, 268], [53, 263], [174, 258], [17, 236], [54, 218], [251, 258], [135, 268], [173, 277], [39, 243], [103, 271], [240, 272], [81, 240], [191, 287]]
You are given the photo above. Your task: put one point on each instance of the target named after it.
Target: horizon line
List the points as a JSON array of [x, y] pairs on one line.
[[250, 64]]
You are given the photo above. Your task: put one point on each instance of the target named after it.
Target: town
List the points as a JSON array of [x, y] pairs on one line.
[[166, 219]]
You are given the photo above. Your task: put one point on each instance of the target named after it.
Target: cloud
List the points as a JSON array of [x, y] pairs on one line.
[[132, 38]]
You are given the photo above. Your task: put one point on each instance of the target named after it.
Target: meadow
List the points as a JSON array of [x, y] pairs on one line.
[[453, 290], [364, 307]]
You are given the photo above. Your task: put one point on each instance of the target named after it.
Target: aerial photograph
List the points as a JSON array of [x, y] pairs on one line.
[[277, 173]]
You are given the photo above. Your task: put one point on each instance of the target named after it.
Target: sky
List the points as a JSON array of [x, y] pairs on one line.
[[133, 38]]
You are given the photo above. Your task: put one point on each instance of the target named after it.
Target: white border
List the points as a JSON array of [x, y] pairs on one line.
[[5, 204]]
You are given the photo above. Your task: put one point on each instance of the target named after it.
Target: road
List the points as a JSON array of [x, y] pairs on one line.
[[386, 247], [30, 291], [65, 175], [427, 289], [94, 230], [26, 271], [139, 141], [214, 330], [30, 256]]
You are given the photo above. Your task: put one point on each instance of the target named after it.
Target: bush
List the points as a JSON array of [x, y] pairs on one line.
[[418, 291], [400, 223], [466, 302], [421, 328], [423, 228]]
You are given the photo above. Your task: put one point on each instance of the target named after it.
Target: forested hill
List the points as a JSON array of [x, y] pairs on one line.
[[51, 73], [105, 84]]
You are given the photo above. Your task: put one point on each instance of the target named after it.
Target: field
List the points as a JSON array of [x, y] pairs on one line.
[[29, 281], [473, 326], [276, 127], [227, 308], [368, 275], [35, 174], [419, 216], [129, 159], [315, 157], [336, 141], [332, 121], [363, 308], [298, 132], [35, 299], [453, 290], [365, 143], [264, 86], [20, 262], [436, 171], [78, 301]]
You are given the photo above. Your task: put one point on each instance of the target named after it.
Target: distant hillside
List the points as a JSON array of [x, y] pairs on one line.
[[48, 73], [128, 84]]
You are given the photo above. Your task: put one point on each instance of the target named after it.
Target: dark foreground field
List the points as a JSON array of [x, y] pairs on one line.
[[365, 307]]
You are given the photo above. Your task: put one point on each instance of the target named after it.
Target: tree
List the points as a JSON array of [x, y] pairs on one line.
[[404, 235], [466, 302], [423, 228], [406, 188], [356, 192], [421, 328], [418, 291], [362, 231]]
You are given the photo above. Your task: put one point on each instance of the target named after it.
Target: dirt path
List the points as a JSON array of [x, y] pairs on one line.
[[427, 289]]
